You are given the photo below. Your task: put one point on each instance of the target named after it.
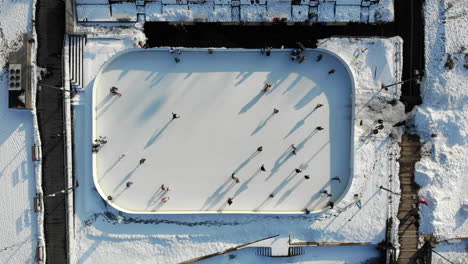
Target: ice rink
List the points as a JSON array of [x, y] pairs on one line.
[[224, 117]]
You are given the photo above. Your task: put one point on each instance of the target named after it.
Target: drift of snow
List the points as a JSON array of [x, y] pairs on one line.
[[441, 122]]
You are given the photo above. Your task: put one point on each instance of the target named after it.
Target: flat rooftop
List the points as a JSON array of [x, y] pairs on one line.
[[224, 117]]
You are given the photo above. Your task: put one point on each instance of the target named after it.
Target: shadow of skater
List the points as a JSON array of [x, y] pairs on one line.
[[245, 162], [300, 123], [252, 102], [126, 178], [157, 134], [262, 124], [287, 154]]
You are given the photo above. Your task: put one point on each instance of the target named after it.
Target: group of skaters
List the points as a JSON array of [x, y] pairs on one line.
[[99, 143], [293, 149]]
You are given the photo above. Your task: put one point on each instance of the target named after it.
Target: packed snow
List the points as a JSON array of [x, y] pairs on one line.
[[175, 238], [237, 11], [18, 221], [441, 122], [225, 115]]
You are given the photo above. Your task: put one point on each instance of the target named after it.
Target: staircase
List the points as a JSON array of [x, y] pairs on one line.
[[408, 209], [76, 48]]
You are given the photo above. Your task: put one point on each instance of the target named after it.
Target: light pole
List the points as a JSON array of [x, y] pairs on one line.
[[76, 185], [388, 190], [417, 78]]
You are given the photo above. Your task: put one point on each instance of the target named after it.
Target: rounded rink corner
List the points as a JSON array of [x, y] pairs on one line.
[[196, 131]]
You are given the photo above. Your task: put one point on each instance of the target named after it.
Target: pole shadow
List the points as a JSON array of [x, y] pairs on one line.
[[157, 134]]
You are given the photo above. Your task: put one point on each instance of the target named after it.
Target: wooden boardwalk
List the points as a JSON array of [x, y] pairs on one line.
[[408, 209]]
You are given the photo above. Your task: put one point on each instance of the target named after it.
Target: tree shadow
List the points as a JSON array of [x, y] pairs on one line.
[[157, 133], [262, 124], [252, 102], [300, 123]]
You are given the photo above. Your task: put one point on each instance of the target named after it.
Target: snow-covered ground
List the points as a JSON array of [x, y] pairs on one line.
[[18, 226], [102, 232], [225, 117], [237, 11], [441, 122]]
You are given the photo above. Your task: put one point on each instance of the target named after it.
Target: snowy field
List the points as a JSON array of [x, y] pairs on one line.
[[224, 117], [18, 226], [441, 122], [102, 232]]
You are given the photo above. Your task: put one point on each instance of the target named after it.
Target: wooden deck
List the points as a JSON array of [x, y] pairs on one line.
[[408, 209]]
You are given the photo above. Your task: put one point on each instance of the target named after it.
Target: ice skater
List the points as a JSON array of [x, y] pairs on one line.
[[262, 51], [357, 201], [294, 149], [171, 50], [319, 57], [319, 128], [268, 51], [109, 198], [175, 116], [165, 199], [297, 170], [332, 71], [306, 211], [327, 193], [272, 195], [331, 204], [142, 161], [318, 106], [177, 60], [210, 51], [267, 86], [302, 58], [129, 184], [235, 178], [229, 201], [96, 147], [262, 168], [165, 188], [102, 140], [260, 149], [121, 156], [275, 111], [115, 91], [338, 179], [306, 177]]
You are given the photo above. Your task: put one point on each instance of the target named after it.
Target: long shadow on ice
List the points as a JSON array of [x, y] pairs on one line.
[[157, 134], [300, 123], [262, 124], [252, 102]]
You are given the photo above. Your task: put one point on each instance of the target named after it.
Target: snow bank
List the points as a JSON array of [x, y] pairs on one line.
[[442, 123], [18, 222]]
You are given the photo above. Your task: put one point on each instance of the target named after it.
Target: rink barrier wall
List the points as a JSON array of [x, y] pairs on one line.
[[165, 49]]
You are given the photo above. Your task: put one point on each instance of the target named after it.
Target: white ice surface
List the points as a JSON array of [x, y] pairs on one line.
[[225, 117], [101, 236], [18, 225]]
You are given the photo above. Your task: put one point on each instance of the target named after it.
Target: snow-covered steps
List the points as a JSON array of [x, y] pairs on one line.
[[76, 46]]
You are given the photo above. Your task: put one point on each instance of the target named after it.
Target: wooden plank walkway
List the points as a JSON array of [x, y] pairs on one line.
[[408, 209]]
